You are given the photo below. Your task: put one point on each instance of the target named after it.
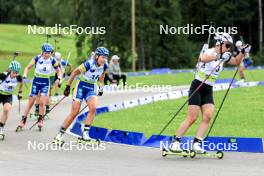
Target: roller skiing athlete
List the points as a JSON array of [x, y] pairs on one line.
[[210, 65], [85, 89], [43, 64], [8, 82]]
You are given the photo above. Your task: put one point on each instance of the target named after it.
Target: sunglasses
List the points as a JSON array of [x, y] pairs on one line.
[[227, 45]]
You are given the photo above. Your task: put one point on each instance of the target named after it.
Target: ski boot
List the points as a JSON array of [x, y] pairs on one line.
[[46, 117], [175, 147], [87, 140], [21, 124], [197, 146], [58, 140], [2, 135]]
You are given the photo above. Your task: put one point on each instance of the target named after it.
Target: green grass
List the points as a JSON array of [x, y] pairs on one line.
[[15, 38], [241, 115], [186, 78]]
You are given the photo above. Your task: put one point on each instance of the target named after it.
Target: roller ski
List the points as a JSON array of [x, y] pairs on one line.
[[198, 151], [87, 140], [81, 140], [21, 124], [35, 116], [183, 153], [2, 135], [175, 149]]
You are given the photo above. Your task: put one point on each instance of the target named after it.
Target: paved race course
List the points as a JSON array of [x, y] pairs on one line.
[[16, 159]]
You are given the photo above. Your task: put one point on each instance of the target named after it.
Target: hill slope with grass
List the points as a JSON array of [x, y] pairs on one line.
[[241, 115], [16, 38]]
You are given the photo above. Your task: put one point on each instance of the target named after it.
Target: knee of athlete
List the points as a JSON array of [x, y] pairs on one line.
[[207, 117], [6, 111], [74, 111], [92, 109], [191, 119]]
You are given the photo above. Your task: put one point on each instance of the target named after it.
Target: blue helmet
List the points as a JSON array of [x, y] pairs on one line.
[[46, 47], [15, 66], [102, 51]]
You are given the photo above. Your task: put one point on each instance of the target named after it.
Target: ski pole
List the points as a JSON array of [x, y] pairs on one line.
[[49, 111], [179, 110], [48, 36], [221, 105]]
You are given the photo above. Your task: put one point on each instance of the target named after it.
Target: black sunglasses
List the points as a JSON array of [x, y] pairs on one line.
[[227, 45]]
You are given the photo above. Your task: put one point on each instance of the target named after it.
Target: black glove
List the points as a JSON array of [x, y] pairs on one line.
[[19, 96], [67, 90], [101, 91]]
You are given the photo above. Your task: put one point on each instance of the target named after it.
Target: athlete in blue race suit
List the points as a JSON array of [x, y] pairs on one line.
[[85, 89], [44, 65]]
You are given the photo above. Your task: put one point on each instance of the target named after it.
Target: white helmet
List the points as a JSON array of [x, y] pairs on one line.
[[115, 57], [57, 55], [239, 44], [223, 37]]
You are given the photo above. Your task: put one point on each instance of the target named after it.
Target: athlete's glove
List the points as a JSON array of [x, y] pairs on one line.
[[67, 90], [226, 56], [101, 91], [246, 48], [19, 96]]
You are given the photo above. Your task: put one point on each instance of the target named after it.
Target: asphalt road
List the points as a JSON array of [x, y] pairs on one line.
[[18, 158]]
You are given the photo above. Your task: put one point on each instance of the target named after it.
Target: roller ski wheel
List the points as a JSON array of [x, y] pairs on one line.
[[2, 137], [19, 128], [192, 154], [164, 152], [88, 142], [183, 153], [218, 154]]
